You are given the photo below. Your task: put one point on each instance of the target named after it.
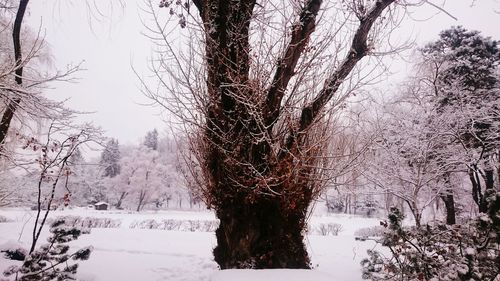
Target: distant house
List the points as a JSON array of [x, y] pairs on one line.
[[101, 206]]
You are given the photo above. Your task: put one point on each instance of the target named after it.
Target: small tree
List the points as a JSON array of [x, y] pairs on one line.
[[51, 261], [110, 158], [52, 161], [51, 165], [151, 140], [143, 175], [404, 164]]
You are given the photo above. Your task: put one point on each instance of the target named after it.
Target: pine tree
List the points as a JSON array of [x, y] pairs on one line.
[[466, 59], [76, 158], [151, 140], [110, 158], [466, 89]]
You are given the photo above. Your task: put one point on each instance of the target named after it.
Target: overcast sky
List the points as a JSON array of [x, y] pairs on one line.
[[109, 87]]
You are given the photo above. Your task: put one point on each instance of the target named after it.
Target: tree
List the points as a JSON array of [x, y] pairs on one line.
[[258, 114], [121, 185], [85, 183], [351, 145], [408, 160], [7, 189], [151, 140], [18, 70], [52, 261], [22, 78], [110, 158], [143, 175], [22, 73], [52, 152], [464, 69]]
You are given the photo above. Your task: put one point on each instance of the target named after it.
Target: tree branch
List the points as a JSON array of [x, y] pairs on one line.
[[358, 50], [16, 36], [301, 31]]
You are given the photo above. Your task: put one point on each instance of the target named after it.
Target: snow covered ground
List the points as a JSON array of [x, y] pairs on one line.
[[130, 254]]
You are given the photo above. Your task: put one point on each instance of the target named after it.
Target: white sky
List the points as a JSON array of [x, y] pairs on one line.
[[110, 88]]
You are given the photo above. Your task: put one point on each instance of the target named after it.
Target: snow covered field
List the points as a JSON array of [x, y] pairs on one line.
[[131, 254]]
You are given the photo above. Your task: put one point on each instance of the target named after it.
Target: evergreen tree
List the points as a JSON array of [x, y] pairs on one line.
[[466, 88], [110, 158], [76, 158], [151, 140], [466, 59]]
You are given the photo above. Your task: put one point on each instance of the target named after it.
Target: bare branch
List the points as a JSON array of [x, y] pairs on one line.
[[301, 32], [358, 49]]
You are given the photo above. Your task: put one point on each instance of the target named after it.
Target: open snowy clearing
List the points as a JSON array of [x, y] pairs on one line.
[[130, 254]]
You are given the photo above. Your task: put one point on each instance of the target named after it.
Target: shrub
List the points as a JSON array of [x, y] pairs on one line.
[[177, 225], [4, 219], [373, 231], [51, 261], [89, 222], [439, 252], [325, 229]]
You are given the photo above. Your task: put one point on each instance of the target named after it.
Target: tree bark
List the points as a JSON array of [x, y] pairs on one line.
[[449, 202], [489, 178], [477, 192], [489, 184], [260, 235], [142, 197], [120, 200], [416, 214]]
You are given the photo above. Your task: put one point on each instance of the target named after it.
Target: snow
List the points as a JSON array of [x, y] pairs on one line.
[[10, 245], [129, 254], [101, 203], [470, 251], [270, 275]]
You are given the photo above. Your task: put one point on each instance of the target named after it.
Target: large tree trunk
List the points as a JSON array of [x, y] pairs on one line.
[[449, 203], [489, 178], [260, 235], [262, 223]]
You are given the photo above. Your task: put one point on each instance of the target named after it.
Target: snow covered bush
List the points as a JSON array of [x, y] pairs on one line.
[[145, 224], [3, 219], [373, 231], [90, 222], [439, 252], [51, 261], [170, 224], [177, 225], [203, 225], [13, 251], [325, 229]]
